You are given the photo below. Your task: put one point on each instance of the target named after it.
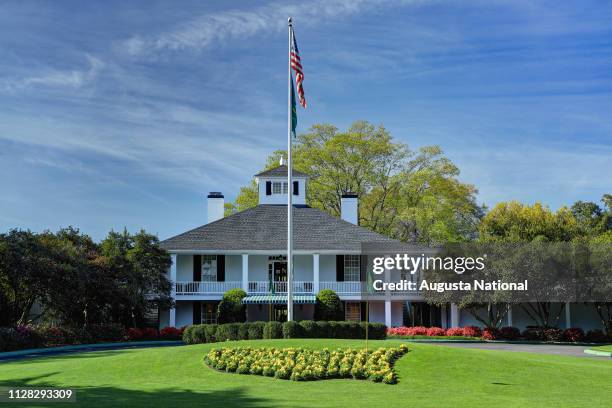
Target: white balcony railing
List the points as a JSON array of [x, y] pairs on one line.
[[345, 288], [205, 288], [280, 287]]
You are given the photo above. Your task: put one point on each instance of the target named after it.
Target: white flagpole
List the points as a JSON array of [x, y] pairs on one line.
[[289, 191]]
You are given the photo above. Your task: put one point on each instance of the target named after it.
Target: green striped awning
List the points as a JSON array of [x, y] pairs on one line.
[[278, 299]]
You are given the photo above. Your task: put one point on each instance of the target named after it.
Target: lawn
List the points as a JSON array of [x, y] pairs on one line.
[[429, 376], [603, 348]]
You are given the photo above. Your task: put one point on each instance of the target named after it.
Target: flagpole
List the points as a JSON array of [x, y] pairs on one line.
[[289, 188]]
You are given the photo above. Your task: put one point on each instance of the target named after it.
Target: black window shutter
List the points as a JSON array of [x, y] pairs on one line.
[[197, 268], [197, 312], [268, 188], [364, 312], [340, 268], [296, 188], [363, 268], [220, 268]]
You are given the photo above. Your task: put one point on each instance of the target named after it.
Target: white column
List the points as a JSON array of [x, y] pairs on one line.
[[315, 273], [454, 315], [443, 316], [510, 315], [388, 313], [245, 272], [172, 321], [568, 315]]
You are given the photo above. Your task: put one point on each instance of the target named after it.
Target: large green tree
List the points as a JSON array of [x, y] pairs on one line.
[[413, 196]]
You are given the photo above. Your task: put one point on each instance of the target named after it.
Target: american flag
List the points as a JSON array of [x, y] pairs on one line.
[[296, 64]]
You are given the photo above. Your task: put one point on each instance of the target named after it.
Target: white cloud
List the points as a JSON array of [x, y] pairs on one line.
[[204, 30], [62, 79]]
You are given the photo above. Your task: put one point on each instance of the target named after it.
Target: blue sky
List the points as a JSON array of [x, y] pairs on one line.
[[127, 113]]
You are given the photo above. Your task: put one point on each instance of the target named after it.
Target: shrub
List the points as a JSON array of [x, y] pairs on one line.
[[533, 333], [134, 333], [292, 330], [377, 331], [310, 329], [596, 336], [256, 330], [107, 332], [328, 306], [472, 331], [490, 333], [188, 335], [553, 334], [324, 329], [22, 337], [171, 333], [227, 332], [231, 309], [573, 334], [273, 330], [243, 331], [509, 333], [198, 334], [455, 331], [210, 333], [436, 331]]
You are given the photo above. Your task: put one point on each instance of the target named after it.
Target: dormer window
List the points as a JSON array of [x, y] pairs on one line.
[[279, 188]]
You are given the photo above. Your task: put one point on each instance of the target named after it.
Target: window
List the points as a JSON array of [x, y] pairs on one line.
[[351, 268], [209, 313], [209, 268], [352, 311], [279, 188]]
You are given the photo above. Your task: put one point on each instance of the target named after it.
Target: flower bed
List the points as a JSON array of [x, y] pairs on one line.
[[554, 335], [43, 336], [299, 364]]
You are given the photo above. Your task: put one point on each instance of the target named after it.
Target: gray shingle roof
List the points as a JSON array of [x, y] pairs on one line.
[[264, 227], [280, 171]]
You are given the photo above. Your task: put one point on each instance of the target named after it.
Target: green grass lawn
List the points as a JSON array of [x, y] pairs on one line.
[[429, 376], [603, 348]]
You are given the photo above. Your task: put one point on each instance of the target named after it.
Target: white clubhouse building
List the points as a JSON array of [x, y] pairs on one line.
[[248, 250]]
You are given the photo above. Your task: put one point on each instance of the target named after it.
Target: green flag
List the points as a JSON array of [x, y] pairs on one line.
[[293, 109]]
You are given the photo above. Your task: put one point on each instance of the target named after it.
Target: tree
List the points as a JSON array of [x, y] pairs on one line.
[[328, 306], [26, 269], [411, 196], [231, 309], [138, 267]]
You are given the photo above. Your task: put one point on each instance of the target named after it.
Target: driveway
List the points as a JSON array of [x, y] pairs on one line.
[[565, 350]]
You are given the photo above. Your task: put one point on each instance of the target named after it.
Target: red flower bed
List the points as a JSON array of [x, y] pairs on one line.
[[455, 331], [573, 334], [407, 331], [171, 333], [490, 333], [436, 331], [472, 331]]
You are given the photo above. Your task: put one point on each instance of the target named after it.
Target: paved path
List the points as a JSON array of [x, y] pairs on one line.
[[566, 350]]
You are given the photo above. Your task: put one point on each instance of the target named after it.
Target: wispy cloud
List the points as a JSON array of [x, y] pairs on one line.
[[203, 31], [75, 78]]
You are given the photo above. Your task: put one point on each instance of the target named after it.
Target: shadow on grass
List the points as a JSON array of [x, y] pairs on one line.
[[81, 354], [109, 396]]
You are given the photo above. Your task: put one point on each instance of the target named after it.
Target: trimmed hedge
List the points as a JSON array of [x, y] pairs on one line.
[[210, 333]]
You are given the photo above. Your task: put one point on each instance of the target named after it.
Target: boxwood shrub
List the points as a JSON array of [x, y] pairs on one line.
[[256, 330], [292, 330], [273, 330]]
